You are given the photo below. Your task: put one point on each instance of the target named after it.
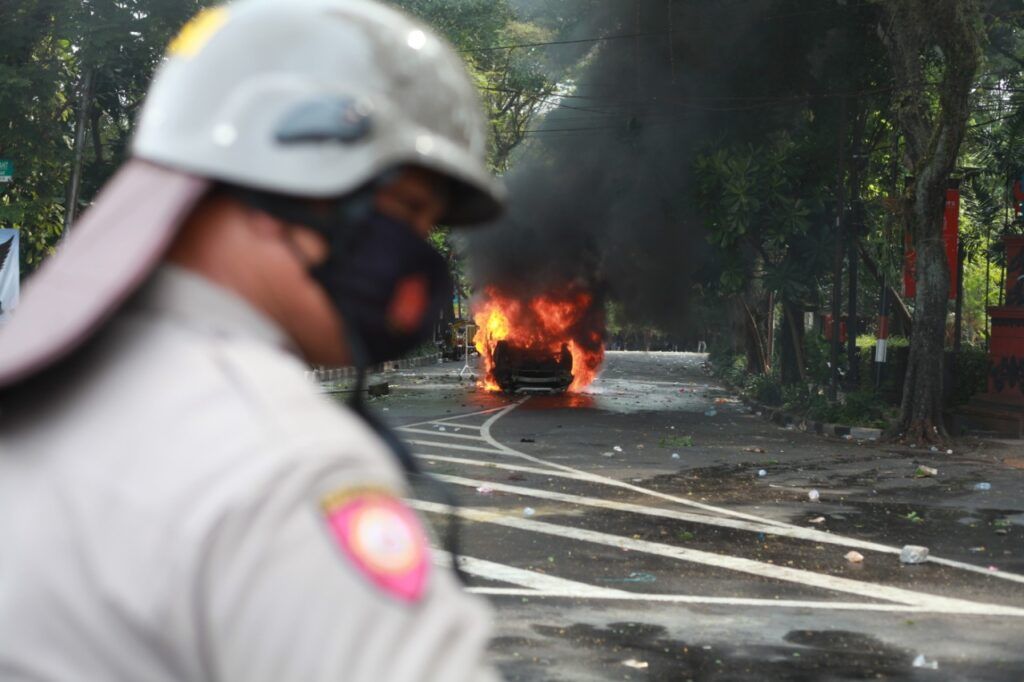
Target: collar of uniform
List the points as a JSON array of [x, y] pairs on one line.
[[206, 306]]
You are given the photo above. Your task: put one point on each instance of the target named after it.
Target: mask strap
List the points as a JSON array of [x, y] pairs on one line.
[[452, 537]]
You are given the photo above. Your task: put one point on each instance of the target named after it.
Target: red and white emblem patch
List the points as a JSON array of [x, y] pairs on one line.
[[383, 538]]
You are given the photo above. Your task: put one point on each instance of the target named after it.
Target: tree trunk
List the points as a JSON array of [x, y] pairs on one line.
[[793, 365], [757, 363], [915, 31]]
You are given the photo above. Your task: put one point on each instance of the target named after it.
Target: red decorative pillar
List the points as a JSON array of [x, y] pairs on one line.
[[1001, 409]]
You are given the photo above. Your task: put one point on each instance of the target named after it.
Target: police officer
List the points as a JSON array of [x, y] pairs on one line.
[[177, 502]]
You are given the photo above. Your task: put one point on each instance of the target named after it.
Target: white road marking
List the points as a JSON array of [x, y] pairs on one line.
[[445, 420], [490, 570], [443, 434], [541, 585], [455, 424], [797, 532], [933, 603], [454, 446], [695, 599], [597, 478]]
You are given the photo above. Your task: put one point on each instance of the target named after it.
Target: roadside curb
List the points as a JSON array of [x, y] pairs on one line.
[[787, 420], [333, 374]]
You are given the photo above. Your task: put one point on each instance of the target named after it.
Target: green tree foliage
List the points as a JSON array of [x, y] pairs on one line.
[[46, 49]]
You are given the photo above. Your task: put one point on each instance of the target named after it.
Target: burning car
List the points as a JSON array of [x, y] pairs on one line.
[[531, 369], [550, 342]]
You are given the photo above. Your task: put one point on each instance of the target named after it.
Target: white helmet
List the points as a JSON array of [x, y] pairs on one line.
[[316, 98], [313, 98]]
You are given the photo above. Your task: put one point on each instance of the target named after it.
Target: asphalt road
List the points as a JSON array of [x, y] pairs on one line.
[[656, 529]]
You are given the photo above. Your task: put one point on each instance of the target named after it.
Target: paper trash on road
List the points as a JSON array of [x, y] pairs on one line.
[[854, 557], [922, 662], [617, 448], [529, 511], [633, 663], [923, 472], [814, 496]]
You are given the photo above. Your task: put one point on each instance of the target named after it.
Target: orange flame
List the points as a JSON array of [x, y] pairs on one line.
[[543, 323]]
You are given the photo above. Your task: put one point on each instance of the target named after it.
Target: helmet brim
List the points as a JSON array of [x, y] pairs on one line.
[[108, 254]]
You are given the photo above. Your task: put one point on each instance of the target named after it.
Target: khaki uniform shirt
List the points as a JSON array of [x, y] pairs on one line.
[[177, 510]]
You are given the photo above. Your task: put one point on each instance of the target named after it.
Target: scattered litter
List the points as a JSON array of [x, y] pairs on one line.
[[922, 662], [977, 550], [527, 440], [640, 447], [720, 401], [847, 437], [607, 454], [710, 412], [638, 480], [516, 477], [633, 663], [817, 519], [814, 496], [633, 577], [984, 485], [993, 569], [675, 455], [441, 428], [933, 449], [485, 490], [924, 472], [753, 449], [854, 557], [758, 414], [529, 511], [386, 409], [617, 448], [762, 473], [949, 452], [913, 554]]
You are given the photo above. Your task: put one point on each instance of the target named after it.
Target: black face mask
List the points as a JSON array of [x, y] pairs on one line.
[[390, 286]]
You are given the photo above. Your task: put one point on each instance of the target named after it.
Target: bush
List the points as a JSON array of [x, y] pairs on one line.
[[971, 375], [764, 388]]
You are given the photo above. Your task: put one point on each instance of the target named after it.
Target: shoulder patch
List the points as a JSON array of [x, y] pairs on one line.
[[382, 537]]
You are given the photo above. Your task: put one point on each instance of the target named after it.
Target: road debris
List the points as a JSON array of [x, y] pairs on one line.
[[913, 554], [633, 663], [817, 519], [762, 473], [617, 448], [485, 490], [527, 440], [753, 449], [925, 472], [675, 455], [922, 662], [529, 511], [710, 412], [814, 496], [984, 485], [633, 577], [854, 557]]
